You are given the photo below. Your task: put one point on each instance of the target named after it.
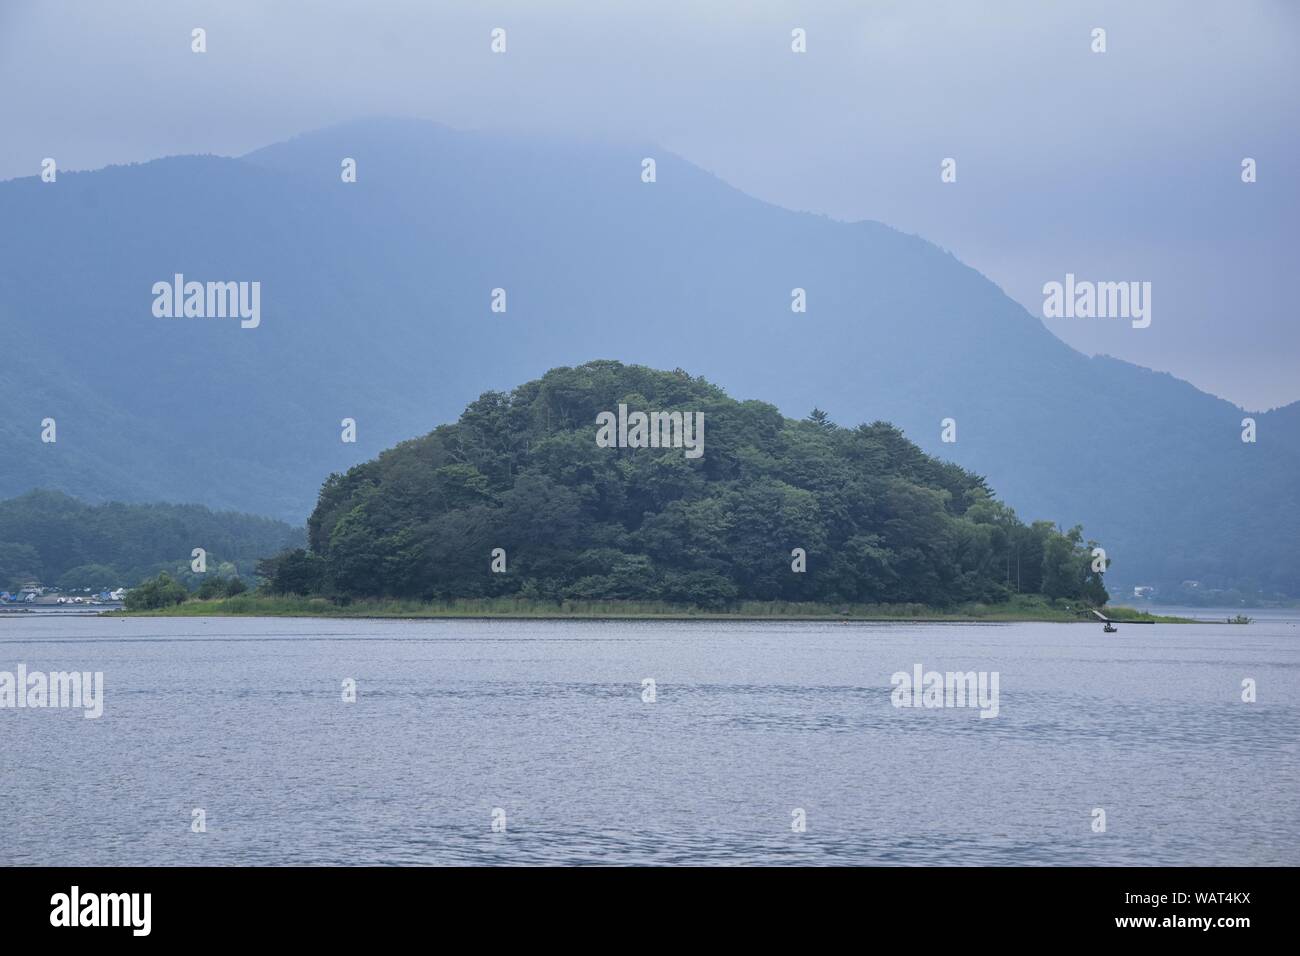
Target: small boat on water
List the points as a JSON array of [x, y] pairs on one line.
[[1110, 627]]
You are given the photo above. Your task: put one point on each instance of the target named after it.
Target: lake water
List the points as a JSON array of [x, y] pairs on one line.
[[546, 721]]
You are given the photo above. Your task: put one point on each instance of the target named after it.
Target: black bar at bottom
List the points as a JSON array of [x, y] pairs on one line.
[[341, 905]]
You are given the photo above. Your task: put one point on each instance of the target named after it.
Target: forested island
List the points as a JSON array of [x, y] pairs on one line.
[[518, 505]]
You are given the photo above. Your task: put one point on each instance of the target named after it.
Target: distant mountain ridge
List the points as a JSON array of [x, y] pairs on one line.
[[375, 306]]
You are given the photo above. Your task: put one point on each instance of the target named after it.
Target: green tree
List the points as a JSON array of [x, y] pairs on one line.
[[292, 572], [155, 593], [19, 563]]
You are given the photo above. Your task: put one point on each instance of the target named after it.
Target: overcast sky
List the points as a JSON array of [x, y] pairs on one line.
[[1123, 165]]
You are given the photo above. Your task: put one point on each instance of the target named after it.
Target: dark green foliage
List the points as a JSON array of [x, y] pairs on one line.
[[292, 572], [214, 588], [50, 537], [19, 563], [881, 522], [96, 576], [161, 591]]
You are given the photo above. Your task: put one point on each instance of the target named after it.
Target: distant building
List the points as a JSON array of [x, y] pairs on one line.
[[1143, 591]]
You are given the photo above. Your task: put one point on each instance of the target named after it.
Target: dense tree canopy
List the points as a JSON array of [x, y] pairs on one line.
[[50, 537], [880, 521], [156, 593]]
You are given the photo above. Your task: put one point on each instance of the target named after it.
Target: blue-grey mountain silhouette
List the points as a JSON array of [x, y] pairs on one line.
[[375, 305]]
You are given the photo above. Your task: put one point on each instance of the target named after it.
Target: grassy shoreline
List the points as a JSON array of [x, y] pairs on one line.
[[1019, 610]]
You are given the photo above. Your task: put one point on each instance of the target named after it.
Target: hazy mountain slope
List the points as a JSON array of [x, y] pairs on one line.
[[375, 305]]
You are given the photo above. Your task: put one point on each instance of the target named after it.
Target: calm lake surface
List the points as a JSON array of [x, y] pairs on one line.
[[545, 720]]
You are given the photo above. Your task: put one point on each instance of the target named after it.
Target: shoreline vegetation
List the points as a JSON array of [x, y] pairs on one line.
[[1025, 609]]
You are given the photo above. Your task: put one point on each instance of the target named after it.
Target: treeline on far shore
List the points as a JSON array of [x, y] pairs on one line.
[[57, 541]]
